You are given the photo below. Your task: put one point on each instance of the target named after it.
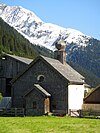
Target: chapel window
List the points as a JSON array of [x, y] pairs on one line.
[[40, 78]]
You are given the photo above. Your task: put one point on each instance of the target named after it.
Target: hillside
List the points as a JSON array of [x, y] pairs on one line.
[[13, 42], [86, 60]]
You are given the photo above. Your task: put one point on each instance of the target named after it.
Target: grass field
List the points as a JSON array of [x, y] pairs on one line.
[[48, 124]]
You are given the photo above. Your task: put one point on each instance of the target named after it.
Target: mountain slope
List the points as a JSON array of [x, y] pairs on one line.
[[82, 50], [13, 42]]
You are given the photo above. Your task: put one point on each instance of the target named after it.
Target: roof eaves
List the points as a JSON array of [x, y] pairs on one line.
[[41, 89], [20, 59], [76, 82]]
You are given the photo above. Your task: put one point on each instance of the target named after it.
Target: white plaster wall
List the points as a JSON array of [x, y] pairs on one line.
[[75, 96]]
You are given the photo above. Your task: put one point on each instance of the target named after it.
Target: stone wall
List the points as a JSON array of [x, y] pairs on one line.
[[91, 107]]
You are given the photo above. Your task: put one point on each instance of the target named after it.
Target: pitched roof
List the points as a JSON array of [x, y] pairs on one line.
[[40, 89], [66, 71], [92, 92], [22, 59]]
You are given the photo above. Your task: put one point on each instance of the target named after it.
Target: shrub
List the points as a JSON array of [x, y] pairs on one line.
[[0, 96]]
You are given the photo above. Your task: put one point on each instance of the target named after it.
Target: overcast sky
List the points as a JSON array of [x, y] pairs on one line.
[[82, 15]]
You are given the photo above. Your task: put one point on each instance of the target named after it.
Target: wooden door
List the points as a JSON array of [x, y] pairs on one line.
[[46, 105]]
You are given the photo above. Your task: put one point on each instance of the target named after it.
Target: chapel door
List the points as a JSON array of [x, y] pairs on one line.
[[47, 105]]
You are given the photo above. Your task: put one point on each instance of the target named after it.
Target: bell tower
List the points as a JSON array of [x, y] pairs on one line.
[[60, 53]]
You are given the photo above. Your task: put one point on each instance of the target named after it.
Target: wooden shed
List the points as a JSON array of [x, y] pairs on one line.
[[92, 101], [93, 97]]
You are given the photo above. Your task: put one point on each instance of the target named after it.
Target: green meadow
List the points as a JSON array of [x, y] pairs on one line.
[[48, 124]]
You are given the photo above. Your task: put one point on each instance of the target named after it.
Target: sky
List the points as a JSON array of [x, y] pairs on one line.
[[82, 15]]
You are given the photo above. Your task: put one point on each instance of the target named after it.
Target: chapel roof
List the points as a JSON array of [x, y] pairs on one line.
[[65, 71]]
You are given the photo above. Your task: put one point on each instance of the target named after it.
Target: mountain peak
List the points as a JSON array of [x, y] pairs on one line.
[[37, 31]]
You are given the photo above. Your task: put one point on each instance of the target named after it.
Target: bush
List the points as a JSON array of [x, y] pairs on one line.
[[0, 96]]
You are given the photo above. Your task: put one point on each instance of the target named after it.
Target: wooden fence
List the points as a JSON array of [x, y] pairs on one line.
[[12, 112]]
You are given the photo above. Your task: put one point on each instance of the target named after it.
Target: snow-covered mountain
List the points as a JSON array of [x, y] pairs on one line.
[[82, 51], [37, 31]]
